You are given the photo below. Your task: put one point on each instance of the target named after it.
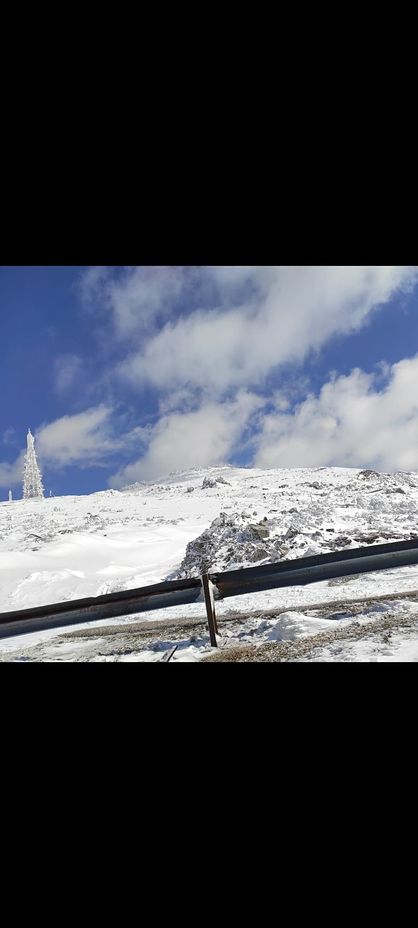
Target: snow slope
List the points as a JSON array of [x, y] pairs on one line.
[[69, 547]]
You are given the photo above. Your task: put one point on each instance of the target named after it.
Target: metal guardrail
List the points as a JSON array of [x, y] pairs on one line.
[[306, 570], [94, 608], [211, 587]]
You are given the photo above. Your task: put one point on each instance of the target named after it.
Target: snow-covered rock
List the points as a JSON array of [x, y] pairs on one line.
[[232, 540]]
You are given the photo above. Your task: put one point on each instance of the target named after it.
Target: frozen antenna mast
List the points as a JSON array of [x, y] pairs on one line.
[[32, 480]]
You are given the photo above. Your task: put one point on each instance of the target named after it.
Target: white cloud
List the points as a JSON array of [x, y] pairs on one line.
[[91, 280], [136, 297], [9, 436], [200, 438], [66, 368], [250, 321], [352, 423], [207, 337], [11, 474], [144, 296], [233, 275], [85, 439]]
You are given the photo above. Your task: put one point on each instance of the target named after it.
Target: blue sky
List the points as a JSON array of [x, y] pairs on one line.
[[128, 373]]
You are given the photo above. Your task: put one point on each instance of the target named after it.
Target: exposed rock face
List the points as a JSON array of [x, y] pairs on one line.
[[231, 541], [210, 482]]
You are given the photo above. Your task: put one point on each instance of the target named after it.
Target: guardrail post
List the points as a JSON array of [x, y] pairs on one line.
[[210, 609]]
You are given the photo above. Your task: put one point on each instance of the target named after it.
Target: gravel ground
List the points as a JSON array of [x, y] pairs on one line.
[[305, 649]]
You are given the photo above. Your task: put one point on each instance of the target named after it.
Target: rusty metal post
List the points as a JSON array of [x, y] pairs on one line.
[[210, 609]]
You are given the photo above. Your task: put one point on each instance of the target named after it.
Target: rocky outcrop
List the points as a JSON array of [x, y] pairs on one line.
[[211, 482], [231, 541]]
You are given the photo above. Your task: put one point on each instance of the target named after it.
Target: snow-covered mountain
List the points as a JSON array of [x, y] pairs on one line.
[[218, 518]]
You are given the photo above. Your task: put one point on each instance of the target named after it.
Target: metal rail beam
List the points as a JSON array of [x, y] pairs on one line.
[[75, 612], [303, 571]]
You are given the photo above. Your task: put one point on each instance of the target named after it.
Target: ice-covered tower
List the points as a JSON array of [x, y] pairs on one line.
[[32, 480]]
